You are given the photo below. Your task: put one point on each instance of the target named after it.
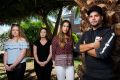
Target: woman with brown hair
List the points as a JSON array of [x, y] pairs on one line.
[[14, 56], [43, 56], [62, 46]]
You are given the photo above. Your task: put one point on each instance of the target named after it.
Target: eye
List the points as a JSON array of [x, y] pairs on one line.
[[65, 26], [90, 16], [96, 15]]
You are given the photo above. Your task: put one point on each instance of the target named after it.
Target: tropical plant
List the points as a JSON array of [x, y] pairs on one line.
[[3, 38]]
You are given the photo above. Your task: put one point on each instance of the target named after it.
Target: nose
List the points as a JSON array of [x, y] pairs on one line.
[[93, 17]]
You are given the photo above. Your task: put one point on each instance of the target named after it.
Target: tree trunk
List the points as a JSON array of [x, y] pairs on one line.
[[46, 23], [57, 22], [48, 27]]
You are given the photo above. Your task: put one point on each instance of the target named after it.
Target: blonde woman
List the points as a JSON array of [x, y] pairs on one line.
[[14, 56]]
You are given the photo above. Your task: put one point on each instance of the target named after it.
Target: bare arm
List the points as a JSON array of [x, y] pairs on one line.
[[86, 47], [50, 54], [90, 48], [92, 52], [5, 57], [35, 54], [102, 46]]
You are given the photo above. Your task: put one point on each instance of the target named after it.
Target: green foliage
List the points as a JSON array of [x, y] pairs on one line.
[[32, 33], [3, 38], [32, 21], [75, 37], [31, 27]]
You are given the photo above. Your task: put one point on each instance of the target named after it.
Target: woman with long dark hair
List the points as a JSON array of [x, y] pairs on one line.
[[42, 54], [62, 46], [14, 56]]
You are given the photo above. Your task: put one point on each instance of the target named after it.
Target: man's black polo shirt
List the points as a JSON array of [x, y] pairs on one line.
[[101, 66]]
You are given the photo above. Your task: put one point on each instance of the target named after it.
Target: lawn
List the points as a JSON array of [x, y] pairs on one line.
[[30, 74]]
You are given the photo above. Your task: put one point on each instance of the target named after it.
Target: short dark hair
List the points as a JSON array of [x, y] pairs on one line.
[[96, 9]]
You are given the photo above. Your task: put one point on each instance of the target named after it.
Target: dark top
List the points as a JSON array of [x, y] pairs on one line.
[[43, 51], [116, 51], [100, 66]]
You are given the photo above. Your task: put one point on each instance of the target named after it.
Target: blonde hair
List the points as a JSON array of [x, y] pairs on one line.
[[21, 34]]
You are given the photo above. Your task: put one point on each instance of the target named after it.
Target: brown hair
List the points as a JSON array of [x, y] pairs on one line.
[[61, 35], [46, 32], [21, 34]]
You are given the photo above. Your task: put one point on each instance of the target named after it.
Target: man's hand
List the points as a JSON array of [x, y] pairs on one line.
[[97, 42]]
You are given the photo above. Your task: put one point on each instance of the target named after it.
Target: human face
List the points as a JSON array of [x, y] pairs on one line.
[[15, 31], [95, 19], [43, 33], [65, 27]]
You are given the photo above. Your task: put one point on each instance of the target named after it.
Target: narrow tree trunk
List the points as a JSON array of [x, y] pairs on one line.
[[48, 27], [57, 22], [46, 23]]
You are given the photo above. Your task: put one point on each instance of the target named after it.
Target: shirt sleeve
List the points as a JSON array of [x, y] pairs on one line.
[[24, 44], [36, 42], [106, 45], [54, 46]]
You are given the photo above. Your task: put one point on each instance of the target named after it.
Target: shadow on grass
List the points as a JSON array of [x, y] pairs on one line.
[[30, 75], [3, 76], [29, 59]]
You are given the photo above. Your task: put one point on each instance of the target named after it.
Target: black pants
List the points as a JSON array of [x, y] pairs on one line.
[[43, 73], [17, 73], [86, 77], [117, 71]]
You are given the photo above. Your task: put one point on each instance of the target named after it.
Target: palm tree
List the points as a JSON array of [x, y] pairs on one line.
[[110, 6]]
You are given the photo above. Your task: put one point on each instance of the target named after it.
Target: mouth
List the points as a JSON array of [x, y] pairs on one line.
[[94, 22]]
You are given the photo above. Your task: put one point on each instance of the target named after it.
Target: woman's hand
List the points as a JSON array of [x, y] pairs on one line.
[[42, 64], [45, 62], [12, 66], [8, 68]]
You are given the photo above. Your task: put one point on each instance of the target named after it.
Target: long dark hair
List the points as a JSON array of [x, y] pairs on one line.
[[61, 35]]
